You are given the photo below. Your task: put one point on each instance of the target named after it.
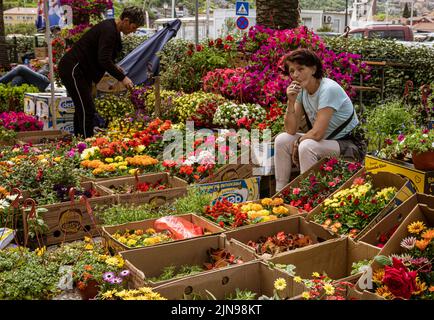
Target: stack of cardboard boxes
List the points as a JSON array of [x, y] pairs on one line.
[[38, 104]]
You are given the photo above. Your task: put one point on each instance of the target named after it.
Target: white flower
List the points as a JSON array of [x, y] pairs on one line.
[[408, 243]]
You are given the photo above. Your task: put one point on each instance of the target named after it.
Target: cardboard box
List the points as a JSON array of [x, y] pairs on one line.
[[421, 181], [65, 124], [315, 168], [38, 137], [30, 103], [230, 172], [71, 221], [255, 276], [333, 258], [236, 191], [188, 252], [178, 188], [379, 180], [149, 223], [288, 225], [63, 105], [396, 217]]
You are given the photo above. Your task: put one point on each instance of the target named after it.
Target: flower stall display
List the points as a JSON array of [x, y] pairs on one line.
[[317, 185], [350, 210], [280, 242], [140, 187], [112, 106], [19, 122], [232, 115], [229, 215], [142, 293], [408, 275]]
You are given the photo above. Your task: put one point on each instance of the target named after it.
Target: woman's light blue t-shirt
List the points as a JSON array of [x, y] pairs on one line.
[[330, 94]]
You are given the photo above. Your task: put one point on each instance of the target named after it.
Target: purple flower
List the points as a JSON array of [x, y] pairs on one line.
[[71, 153], [422, 264], [108, 277], [401, 137], [117, 280], [81, 146], [124, 273]]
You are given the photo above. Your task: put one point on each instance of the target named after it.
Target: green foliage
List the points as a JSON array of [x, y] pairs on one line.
[[194, 202], [386, 120], [20, 28], [170, 272], [12, 98], [118, 214], [355, 267], [7, 137], [111, 106], [241, 295], [405, 63]]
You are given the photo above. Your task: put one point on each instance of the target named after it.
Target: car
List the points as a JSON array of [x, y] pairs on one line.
[[385, 31]]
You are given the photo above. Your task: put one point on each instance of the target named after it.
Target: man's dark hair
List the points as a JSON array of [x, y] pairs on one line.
[[304, 57], [134, 14]]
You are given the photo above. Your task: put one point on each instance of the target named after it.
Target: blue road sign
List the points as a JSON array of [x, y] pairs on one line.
[[241, 8], [242, 23]]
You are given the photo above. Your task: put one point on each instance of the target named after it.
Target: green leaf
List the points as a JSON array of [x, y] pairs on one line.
[[383, 260]]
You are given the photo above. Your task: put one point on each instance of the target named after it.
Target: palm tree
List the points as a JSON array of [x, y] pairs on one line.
[[4, 60], [278, 14]]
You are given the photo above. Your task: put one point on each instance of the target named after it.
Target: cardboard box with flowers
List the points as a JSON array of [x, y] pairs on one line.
[[312, 187], [156, 188], [355, 210], [152, 232], [249, 281], [277, 237], [230, 215], [178, 260], [403, 269], [381, 233], [39, 137], [339, 259]]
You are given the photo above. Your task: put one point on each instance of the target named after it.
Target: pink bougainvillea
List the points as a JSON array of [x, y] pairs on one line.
[[262, 80]]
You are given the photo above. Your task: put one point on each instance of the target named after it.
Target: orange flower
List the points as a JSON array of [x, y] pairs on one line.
[[422, 244], [431, 289], [81, 285], [88, 267], [428, 234]]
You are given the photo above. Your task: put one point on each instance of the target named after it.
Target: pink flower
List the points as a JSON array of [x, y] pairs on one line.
[[296, 191]]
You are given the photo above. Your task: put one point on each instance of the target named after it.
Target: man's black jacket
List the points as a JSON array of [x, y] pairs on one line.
[[96, 51]]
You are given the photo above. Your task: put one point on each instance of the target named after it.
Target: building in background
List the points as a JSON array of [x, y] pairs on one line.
[[20, 15]]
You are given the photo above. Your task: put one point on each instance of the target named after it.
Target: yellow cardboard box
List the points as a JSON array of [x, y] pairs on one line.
[[421, 181]]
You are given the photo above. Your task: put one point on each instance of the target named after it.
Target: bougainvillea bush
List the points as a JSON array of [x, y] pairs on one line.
[[262, 80]]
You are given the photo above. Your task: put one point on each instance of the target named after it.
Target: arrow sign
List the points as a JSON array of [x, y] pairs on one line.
[[241, 8]]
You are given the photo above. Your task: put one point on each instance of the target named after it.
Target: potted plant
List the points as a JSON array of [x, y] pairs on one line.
[[421, 145]]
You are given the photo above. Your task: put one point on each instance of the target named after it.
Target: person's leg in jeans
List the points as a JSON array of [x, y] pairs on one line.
[[310, 151], [282, 158], [17, 81], [29, 76]]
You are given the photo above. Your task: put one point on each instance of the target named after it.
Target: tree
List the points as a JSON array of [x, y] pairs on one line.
[[406, 13], [4, 59], [278, 14]]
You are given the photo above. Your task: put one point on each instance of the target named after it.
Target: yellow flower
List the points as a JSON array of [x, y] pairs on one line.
[[88, 246], [122, 239], [384, 292], [305, 295], [57, 159], [266, 201], [119, 158], [329, 289], [108, 160], [256, 207], [150, 231], [277, 202], [112, 261], [420, 286], [297, 279], [87, 239], [40, 251], [315, 275], [132, 171], [416, 227], [131, 242], [280, 210], [280, 284], [140, 148], [122, 167], [377, 276]]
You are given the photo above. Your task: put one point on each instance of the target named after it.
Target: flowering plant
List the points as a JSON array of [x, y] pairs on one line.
[[408, 275], [232, 115], [313, 189], [88, 7], [350, 210], [403, 145], [140, 187], [187, 104], [139, 238], [324, 288], [143, 293], [19, 121]]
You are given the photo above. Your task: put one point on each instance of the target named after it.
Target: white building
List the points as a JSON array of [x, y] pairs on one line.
[[223, 21]]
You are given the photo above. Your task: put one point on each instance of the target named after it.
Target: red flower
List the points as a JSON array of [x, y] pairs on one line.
[[199, 48], [189, 52], [400, 281], [229, 38]]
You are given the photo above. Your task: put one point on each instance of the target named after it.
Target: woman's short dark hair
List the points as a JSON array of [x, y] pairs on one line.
[[134, 14], [304, 57]]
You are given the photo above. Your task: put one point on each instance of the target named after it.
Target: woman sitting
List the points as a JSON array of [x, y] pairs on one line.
[[329, 114]]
